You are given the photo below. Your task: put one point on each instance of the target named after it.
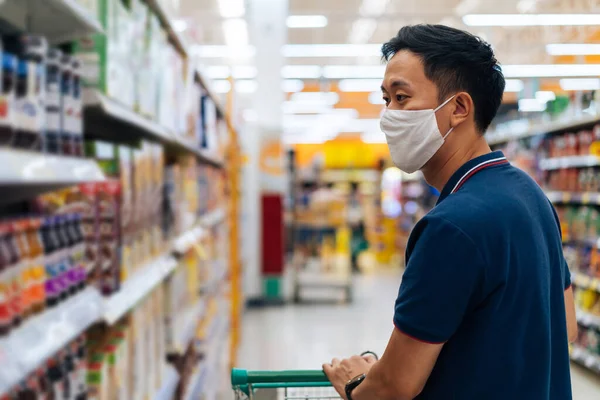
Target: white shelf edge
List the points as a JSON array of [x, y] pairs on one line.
[[92, 24], [583, 280], [192, 319], [587, 319], [27, 167], [185, 241], [213, 217], [169, 387], [42, 336], [195, 384], [544, 128], [569, 162], [137, 287]]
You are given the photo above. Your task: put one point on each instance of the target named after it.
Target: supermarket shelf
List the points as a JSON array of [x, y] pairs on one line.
[[543, 128], [58, 20], [587, 319], [166, 20], [574, 198], [183, 243], [32, 168], [213, 218], [169, 387], [569, 162], [108, 118], [137, 287], [191, 317], [586, 358], [195, 387], [586, 282], [43, 336]]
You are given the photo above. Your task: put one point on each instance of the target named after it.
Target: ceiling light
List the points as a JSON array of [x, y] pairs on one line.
[[221, 86], [217, 72], [301, 71], [292, 85], [376, 98], [353, 71], [306, 21], [373, 8], [331, 50], [244, 72], [531, 105], [544, 96], [324, 98], [572, 49], [208, 51], [292, 107], [531, 19], [360, 85], [465, 7], [232, 8], [513, 85], [362, 30], [180, 25], [246, 86], [236, 33], [550, 70], [582, 84], [250, 115]]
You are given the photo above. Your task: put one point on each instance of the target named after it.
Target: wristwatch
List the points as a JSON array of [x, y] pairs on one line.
[[353, 384]]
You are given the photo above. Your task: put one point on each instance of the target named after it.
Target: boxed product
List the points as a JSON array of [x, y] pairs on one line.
[[109, 208]]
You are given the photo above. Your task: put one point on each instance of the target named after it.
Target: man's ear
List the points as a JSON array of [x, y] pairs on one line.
[[463, 108]]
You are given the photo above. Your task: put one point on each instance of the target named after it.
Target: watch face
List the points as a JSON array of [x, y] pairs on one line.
[[356, 379]]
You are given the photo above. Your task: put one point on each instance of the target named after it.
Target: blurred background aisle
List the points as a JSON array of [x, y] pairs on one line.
[[184, 177]]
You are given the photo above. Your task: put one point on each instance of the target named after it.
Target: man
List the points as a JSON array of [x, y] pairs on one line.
[[485, 309]]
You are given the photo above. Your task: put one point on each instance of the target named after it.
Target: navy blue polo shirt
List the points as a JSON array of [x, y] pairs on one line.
[[486, 276]]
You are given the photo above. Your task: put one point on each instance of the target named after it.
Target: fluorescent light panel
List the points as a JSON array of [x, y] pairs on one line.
[[236, 33], [582, 84], [237, 72], [360, 85], [513, 85], [232, 8], [353, 71], [212, 51], [362, 30], [531, 105], [301, 71], [331, 50], [572, 49], [321, 98], [544, 96], [373, 8], [307, 21], [531, 19], [550, 70], [292, 85], [376, 98]]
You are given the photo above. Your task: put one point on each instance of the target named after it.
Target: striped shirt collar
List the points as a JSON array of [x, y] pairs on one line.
[[470, 168]]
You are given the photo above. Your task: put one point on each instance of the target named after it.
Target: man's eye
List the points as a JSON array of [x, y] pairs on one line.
[[400, 98], [387, 101]]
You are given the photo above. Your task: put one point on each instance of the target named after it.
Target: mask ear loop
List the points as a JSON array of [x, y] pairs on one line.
[[444, 103], [440, 106]]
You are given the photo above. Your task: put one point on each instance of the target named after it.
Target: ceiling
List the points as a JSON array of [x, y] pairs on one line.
[[346, 25]]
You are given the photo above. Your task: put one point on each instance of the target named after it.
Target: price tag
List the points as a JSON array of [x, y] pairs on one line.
[[566, 197]]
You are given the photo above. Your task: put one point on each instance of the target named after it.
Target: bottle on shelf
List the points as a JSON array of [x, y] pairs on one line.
[[51, 261], [8, 77], [37, 273], [14, 277], [5, 289], [53, 101], [76, 101], [19, 228], [66, 66]]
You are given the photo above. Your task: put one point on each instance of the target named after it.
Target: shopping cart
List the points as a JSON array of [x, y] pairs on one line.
[[281, 385]]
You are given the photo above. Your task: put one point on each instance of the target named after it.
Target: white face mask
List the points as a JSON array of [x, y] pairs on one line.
[[412, 136]]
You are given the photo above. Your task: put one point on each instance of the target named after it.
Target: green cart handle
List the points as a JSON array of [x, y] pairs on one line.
[[272, 379]]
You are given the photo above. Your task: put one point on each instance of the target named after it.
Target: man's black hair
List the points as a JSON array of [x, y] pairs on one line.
[[455, 61]]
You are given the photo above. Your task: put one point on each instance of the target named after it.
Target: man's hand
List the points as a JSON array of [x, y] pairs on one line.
[[340, 372]]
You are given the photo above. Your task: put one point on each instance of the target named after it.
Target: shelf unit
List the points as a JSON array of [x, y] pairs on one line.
[[549, 164], [588, 319], [562, 125], [584, 357], [586, 198], [40, 17], [27, 174], [42, 336]]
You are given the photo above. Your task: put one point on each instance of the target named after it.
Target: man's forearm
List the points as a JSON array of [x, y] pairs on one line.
[[377, 387]]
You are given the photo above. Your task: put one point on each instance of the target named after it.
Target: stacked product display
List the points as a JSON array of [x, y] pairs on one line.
[[115, 238], [564, 159]]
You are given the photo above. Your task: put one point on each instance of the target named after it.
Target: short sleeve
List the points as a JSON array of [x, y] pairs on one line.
[[442, 281]]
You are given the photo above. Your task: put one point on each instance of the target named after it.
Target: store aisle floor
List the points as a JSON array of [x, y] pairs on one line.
[[305, 336]]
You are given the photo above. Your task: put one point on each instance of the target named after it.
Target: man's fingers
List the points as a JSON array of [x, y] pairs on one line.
[[369, 358], [335, 362], [327, 368]]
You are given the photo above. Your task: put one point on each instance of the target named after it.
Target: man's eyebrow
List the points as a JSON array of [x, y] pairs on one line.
[[397, 83]]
